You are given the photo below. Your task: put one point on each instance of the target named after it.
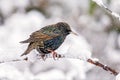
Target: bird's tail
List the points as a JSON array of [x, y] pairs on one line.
[[25, 41], [31, 46]]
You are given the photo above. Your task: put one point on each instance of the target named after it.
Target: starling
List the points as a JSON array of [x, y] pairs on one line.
[[47, 39]]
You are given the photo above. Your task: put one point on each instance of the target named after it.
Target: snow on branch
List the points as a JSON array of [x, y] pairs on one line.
[[118, 77], [91, 61], [100, 3]]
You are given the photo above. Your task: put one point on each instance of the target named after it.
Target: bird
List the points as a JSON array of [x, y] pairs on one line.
[[48, 39]]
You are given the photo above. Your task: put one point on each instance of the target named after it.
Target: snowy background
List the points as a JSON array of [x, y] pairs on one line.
[[98, 36]]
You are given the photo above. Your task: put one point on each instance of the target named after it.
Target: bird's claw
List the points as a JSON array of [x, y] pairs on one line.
[[56, 56], [43, 57]]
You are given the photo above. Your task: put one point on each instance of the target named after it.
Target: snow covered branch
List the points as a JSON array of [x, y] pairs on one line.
[[100, 3], [91, 61]]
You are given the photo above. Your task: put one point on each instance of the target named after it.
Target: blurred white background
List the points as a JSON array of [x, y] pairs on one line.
[[98, 36]]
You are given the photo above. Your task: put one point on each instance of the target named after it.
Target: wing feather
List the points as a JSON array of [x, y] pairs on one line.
[[39, 36]]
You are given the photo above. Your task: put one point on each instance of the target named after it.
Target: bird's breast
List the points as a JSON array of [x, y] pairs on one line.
[[52, 44]]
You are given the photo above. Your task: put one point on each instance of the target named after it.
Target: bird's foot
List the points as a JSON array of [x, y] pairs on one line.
[[43, 56], [55, 55]]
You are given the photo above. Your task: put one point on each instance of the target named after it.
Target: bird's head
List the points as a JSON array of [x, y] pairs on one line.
[[65, 28]]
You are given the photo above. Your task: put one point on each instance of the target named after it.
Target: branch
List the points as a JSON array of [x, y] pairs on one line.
[[14, 60], [106, 68], [96, 63], [100, 3]]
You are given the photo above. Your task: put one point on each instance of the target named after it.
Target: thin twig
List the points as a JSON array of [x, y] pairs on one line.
[[14, 60], [106, 68], [100, 3]]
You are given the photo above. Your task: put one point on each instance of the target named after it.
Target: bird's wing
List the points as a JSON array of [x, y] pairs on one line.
[[43, 36], [39, 36]]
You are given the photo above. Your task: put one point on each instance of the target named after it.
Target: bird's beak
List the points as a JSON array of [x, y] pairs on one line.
[[74, 33]]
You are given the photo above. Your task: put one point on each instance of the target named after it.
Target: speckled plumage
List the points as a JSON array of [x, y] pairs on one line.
[[47, 38]]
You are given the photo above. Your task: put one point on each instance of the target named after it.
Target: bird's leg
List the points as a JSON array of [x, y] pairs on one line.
[[54, 54], [42, 56]]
